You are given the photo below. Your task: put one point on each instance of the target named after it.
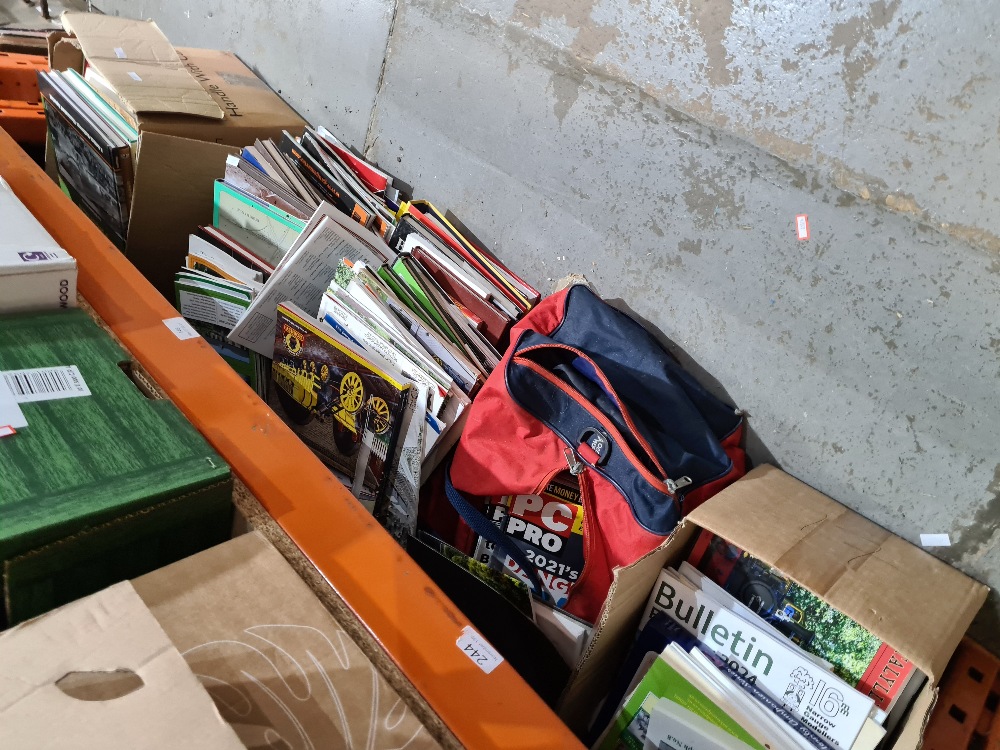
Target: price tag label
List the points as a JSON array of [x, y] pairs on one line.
[[181, 328], [478, 650], [802, 226]]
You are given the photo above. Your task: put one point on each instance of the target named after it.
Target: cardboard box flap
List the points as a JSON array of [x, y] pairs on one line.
[[279, 666], [101, 673], [855, 565], [140, 64]]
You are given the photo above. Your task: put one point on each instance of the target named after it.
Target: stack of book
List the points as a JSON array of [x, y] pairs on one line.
[[732, 654], [95, 149], [366, 320]]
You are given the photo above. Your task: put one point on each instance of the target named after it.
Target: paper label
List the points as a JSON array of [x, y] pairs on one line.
[[7, 430], [134, 76], [802, 226], [44, 384], [935, 540], [181, 328], [11, 415], [478, 650], [120, 53]]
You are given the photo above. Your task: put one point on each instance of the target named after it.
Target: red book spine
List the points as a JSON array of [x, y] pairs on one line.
[[885, 677]]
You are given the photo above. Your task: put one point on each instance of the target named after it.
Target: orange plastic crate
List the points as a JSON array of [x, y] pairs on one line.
[[967, 705], [24, 122], [19, 76], [21, 112]]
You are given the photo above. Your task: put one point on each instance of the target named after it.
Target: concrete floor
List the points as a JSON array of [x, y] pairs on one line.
[[663, 148]]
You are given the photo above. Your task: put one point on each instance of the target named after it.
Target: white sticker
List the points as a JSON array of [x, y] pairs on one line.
[[134, 76], [120, 53], [935, 540], [476, 648], [44, 384], [10, 413], [802, 226], [181, 328], [7, 431]]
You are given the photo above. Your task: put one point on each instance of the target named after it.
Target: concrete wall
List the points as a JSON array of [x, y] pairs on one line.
[[663, 149]]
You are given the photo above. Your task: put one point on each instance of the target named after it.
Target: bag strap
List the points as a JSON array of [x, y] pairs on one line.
[[482, 525]]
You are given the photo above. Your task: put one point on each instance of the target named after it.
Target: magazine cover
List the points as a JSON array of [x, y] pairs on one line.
[[344, 408], [856, 655], [549, 529], [90, 169]]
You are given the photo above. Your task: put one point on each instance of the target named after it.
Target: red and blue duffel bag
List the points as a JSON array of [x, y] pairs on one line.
[[585, 389]]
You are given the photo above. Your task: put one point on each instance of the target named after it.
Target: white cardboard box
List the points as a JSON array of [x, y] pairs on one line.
[[35, 273]]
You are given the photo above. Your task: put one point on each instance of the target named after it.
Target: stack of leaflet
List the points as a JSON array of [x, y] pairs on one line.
[[212, 292], [95, 149], [378, 319], [777, 682]]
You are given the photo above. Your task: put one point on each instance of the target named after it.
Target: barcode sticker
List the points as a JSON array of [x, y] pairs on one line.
[[134, 76], [476, 648], [44, 384], [802, 226], [181, 328], [120, 53]]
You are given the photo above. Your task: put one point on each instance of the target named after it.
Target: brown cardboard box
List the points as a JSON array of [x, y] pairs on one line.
[[906, 597], [281, 670], [192, 107], [101, 673]]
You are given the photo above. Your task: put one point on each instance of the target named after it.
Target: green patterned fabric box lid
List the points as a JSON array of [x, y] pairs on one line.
[[85, 459]]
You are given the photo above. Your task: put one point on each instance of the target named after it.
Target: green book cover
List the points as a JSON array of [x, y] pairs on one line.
[[400, 269], [96, 487], [663, 681], [265, 230]]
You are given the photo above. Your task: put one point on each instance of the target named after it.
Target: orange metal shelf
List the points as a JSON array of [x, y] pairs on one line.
[[405, 611]]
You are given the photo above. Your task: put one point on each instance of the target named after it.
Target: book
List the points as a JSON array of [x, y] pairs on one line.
[[818, 698], [673, 727], [35, 273], [244, 175], [328, 186], [303, 277], [858, 656], [221, 240], [212, 307], [345, 406], [266, 230], [628, 730], [382, 220], [93, 168]]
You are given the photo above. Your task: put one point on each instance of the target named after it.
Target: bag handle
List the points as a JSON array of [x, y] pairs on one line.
[[482, 525]]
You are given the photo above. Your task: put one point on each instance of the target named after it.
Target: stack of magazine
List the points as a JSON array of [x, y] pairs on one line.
[[94, 146], [367, 321], [732, 654]]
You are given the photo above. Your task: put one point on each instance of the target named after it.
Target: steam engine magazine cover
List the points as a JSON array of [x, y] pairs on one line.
[[345, 409]]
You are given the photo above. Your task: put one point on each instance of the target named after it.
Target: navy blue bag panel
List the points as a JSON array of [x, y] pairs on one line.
[[683, 422]]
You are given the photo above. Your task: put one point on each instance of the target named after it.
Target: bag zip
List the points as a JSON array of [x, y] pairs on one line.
[[657, 482], [618, 401]]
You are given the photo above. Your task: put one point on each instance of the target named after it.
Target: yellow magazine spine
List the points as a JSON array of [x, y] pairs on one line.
[[340, 347]]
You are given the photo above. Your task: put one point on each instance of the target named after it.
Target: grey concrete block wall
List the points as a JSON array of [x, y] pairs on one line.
[[664, 149]]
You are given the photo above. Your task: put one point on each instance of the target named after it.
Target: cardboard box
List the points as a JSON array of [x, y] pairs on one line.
[[192, 107], [101, 673], [280, 668], [100, 483], [35, 273], [906, 597]]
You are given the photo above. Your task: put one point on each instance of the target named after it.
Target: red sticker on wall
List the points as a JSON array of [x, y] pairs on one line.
[[802, 226]]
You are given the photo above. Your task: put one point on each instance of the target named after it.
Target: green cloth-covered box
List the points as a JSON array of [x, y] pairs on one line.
[[99, 487]]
